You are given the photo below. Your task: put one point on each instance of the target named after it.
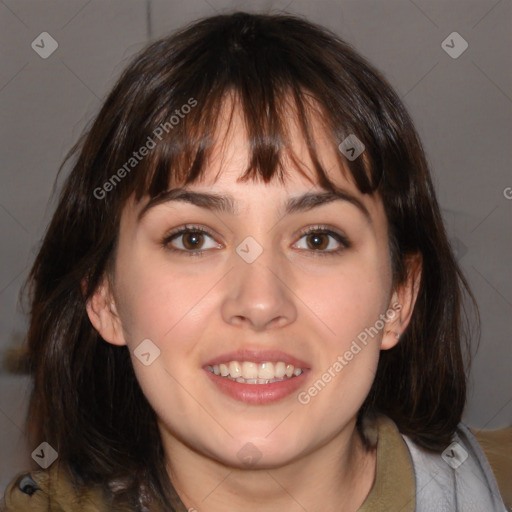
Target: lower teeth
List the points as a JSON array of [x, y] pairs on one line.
[[256, 381]]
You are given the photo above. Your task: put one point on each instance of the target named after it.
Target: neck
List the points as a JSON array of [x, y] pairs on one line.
[[337, 476]]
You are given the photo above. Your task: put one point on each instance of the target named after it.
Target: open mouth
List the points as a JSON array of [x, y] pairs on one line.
[[248, 372], [257, 376]]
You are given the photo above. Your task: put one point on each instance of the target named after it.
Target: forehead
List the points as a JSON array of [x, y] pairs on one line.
[[230, 156], [232, 150]]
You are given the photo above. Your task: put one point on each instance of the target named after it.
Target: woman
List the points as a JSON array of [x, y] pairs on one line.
[[246, 298]]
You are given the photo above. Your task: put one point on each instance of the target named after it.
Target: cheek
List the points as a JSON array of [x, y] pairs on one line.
[[349, 300], [160, 302], [171, 309], [349, 305], [145, 301]]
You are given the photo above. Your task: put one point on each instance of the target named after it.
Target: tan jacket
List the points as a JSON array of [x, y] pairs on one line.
[[393, 488]]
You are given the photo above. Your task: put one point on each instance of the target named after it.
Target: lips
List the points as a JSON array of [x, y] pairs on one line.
[[257, 394], [256, 390]]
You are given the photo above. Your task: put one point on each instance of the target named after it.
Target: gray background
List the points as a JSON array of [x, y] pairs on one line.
[[462, 108]]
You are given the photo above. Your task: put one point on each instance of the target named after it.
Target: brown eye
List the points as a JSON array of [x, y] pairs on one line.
[[193, 240], [190, 241], [317, 241], [324, 242]]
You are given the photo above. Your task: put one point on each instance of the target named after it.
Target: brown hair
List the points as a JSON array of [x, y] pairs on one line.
[[86, 401]]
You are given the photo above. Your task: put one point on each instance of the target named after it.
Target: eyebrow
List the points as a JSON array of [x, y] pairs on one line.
[[227, 204]]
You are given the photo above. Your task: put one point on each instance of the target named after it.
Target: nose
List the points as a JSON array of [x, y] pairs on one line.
[[260, 294]]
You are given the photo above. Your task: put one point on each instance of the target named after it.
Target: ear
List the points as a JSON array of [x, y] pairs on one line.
[[102, 312], [402, 303]]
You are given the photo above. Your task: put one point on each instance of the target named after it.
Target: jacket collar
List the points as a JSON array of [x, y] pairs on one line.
[[394, 486]]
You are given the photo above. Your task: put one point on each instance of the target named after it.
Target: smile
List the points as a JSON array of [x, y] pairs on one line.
[[248, 372], [256, 390]]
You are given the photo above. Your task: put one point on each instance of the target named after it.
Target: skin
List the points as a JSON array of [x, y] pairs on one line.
[[290, 298]]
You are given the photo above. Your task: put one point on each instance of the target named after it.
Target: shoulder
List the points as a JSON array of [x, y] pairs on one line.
[[460, 476], [50, 490], [497, 446]]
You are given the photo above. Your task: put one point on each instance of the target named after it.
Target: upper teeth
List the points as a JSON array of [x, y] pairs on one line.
[[250, 370]]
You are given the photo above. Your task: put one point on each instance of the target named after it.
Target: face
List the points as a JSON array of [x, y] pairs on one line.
[[304, 287]]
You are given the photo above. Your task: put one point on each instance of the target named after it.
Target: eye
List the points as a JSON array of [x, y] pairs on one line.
[[324, 241], [189, 240]]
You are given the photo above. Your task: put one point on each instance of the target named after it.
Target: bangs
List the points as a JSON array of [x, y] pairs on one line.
[[179, 106], [182, 156]]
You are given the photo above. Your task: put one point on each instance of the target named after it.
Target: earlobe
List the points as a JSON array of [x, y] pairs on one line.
[[394, 325], [402, 303], [102, 313]]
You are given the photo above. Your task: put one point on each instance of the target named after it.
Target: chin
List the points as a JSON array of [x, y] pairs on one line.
[[256, 452]]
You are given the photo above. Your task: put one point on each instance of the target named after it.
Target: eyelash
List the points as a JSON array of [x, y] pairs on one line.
[[323, 230]]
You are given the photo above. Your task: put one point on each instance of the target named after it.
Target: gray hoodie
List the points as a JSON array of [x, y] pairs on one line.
[[459, 480]]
